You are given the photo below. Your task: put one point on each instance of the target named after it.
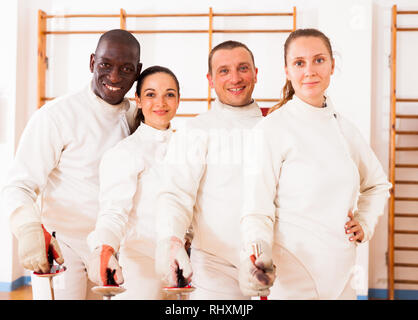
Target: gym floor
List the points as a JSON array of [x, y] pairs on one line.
[[22, 293]]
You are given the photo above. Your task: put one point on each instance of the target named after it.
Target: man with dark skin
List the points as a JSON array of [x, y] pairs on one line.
[[57, 162], [115, 65]]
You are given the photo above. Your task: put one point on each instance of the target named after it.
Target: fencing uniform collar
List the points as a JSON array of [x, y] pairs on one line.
[[249, 111], [101, 105], [148, 132], [305, 108]]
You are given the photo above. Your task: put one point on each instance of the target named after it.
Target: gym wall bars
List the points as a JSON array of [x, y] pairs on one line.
[[43, 32]]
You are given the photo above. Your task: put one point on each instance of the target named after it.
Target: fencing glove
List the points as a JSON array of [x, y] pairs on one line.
[[103, 267], [171, 260], [34, 242], [256, 274]]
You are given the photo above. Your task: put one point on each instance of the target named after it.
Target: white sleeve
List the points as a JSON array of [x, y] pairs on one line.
[[374, 185], [39, 152], [118, 172], [184, 165], [261, 174]]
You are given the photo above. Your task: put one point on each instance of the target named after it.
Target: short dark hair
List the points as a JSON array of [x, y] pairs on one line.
[[121, 36], [227, 45], [139, 116]]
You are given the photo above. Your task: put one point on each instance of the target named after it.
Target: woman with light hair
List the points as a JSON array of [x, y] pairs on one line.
[[318, 191]]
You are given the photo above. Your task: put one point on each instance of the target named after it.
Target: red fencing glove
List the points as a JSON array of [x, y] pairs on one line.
[[103, 264]]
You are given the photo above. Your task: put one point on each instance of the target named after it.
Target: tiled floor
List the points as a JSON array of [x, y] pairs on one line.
[[22, 293]]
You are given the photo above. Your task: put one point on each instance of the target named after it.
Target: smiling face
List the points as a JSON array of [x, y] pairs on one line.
[[309, 66], [159, 99], [115, 67], [233, 76]]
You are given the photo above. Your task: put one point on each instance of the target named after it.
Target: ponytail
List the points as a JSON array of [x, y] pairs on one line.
[[287, 93], [139, 117]]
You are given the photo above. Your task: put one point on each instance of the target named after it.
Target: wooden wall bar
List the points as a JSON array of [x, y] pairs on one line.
[[392, 155], [123, 16], [392, 230], [42, 59]]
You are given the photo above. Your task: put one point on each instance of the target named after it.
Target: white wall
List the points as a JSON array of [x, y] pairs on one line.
[[359, 31], [8, 21], [354, 19]]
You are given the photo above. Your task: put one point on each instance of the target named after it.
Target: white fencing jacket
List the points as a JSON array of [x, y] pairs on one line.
[[58, 159], [203, 179], [314, 167], [130, 178]]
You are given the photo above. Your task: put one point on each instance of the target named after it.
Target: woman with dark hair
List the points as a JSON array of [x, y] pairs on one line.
[[317, 190], [130, 175]]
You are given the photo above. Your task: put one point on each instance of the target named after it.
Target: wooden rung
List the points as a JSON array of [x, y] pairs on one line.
[[406, 231], [254, 31], [406, 148], [406, 265], [195, 99], [405, 132], [173, 31], [83, 16], [405, 182], [406, 99], [406, 199], [214, 31], [406, 248], [163, 15], [166, 15], [266, 100], [406, 12], [289, 14], [167, 31], [75, 32], [406, 281], [407, 116], [185, 115], [406, 215], [404, 165], [407, 29], [131, 31]]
